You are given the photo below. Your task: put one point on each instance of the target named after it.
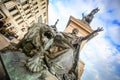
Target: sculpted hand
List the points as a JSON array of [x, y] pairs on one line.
[[35, 64]]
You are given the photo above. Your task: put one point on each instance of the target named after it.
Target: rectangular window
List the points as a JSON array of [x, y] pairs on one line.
[[36, 8], [32, 22], [25, 2], [43, 7], [44, 14], [15, 14], [43, 4], [20, 22], [28, 12], [18, 18], [26, 8], [29, 16], [36, 12], [35, 3], [12, 8], [41, 0]]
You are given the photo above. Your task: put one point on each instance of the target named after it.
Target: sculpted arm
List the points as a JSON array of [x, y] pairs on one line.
[[91, 34]]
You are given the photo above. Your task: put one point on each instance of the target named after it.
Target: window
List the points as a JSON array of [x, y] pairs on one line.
[[16, 14], [44, 14], [12, 8], [28, 12], [35, 3], [41, 0], [43, 7], [32, 22], [20, 22], [18, 18], [25, 2], [29, 16], [18, 4], [23, 29], [36, 8], [43, 3], [36, 12], [9, 24], [26, 8]]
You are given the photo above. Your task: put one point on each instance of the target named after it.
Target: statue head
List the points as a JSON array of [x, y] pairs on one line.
[[75, 31]]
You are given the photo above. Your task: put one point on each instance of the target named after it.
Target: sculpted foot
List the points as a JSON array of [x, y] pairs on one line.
[[35, 64]]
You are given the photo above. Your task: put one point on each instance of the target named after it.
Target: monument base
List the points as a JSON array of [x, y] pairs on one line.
[[14, 65]]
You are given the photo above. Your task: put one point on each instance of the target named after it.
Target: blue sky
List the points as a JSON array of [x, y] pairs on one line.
[[101, 55]]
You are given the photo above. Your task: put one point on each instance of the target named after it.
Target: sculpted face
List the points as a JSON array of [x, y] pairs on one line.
[[75, 31], [47, 34]]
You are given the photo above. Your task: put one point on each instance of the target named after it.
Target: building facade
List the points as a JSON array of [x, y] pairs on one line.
[[19, 15]]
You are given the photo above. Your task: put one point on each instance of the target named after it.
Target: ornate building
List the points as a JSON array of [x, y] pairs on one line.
[[19, 15]]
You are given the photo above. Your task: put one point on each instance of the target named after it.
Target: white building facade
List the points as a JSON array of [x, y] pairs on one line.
[[21, 14]]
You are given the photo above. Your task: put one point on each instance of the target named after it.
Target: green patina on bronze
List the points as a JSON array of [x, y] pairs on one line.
[[14, 65]]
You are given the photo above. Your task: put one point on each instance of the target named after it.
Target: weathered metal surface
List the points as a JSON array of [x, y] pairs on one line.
[[14, 65]]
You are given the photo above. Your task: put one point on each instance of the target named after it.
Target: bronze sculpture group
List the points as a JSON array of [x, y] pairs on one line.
[[53, 51]]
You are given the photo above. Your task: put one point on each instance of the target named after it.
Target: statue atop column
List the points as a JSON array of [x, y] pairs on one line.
[[88, 18]]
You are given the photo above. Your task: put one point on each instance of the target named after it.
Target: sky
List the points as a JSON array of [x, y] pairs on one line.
[[101, 54]]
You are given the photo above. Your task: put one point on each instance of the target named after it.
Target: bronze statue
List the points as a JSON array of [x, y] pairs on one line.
[[87, 19], [52, 52]]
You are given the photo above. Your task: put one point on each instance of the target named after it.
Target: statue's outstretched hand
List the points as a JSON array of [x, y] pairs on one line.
[[99, 29]]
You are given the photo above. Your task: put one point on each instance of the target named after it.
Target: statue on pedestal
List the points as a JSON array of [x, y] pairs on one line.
[[87, 19], [52, 54]]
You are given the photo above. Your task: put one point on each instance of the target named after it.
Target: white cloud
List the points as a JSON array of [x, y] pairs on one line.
[[114, 34], [99, 53]]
